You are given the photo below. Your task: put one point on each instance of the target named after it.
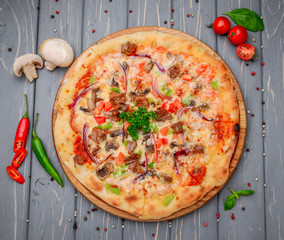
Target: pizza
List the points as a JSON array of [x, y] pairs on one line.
[[148, 122]]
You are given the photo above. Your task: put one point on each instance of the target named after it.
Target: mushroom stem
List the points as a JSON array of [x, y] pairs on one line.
[[49, 66], [30, 72]]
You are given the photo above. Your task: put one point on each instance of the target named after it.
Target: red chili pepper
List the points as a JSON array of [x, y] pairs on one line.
[[22, 130], [15, 175], [19, 158]]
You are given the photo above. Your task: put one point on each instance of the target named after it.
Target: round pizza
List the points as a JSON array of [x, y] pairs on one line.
[[148, 122]]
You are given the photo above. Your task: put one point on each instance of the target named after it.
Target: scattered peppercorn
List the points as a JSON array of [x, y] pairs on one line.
[[85, 218], [88, 212], [110, 0], [165, 22], [38, 8], [9, 49], [248, 149], [57, 12], [94, 209], [75, 225], [52, 16], [262, 64], [196, 1], [105, 11], [247, 64], [253, 73], [130, 11], [263, 123], [243, 208], [249, 184], [52, 179], [98, 229], [263, 102], [257, 88], [252, 115]]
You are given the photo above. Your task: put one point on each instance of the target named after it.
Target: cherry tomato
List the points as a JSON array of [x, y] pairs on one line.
[[15, 175], [221, 25], [238, 35], [245, 51]]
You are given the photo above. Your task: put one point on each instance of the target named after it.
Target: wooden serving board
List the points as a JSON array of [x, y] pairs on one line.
[[235, 158]]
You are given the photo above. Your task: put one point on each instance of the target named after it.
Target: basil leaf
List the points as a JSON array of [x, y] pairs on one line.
[[230, 202], [246, 18], [236, 195], [245, 192]]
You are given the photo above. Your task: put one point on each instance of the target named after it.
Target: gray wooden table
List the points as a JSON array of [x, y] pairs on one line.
[[40, 209]]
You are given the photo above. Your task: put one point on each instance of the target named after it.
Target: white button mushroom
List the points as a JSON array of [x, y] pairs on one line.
[[27, 64], [57, 53]]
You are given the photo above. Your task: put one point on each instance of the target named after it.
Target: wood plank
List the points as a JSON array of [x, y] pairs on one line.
[[273, 84], [148, 13], [248, 224], [95, 18], [18, 31], [51, 206], [203, 14]]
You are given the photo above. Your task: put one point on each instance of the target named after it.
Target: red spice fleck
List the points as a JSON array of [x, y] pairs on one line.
[[153, 234], [187, 15], [105, 11], [233, 216], [56, 0], [172, 23], [57, 12], [253, 73], [205, 224], [130, 11], [173, 10], [249, 184], [105, 229], [257, 88], [262, 64], [217, 215], [93, 31]]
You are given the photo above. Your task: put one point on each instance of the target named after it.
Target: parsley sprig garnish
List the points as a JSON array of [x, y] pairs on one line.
[[139, 120]]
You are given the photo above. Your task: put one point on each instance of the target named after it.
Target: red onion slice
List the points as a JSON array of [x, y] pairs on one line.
[[175, 166], [87, 89], [85, 129], [203, 117], [160, 67], [125, 77], [155, 147], [123, 133], [155, 89], [140, 176], [182, 110], [146, 163], [141, 55]]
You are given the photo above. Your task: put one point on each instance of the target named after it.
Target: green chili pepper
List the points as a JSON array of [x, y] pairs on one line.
[[42, 156]]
